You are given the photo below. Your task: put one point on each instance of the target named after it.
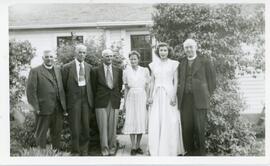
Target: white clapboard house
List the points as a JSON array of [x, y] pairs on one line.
[[47, 26]]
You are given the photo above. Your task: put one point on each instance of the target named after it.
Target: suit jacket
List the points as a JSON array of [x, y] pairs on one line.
[[41, 92], [70, 82], [203, 81], [102, 93]]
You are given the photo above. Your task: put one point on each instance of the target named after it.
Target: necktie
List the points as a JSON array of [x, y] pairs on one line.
[[81, 73], [109, 78]]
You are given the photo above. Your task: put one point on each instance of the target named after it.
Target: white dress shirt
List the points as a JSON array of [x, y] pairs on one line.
[[105, 69], [80, 83]]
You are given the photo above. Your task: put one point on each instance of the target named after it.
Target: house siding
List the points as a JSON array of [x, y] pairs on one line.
[[44, 39], [252, 90]]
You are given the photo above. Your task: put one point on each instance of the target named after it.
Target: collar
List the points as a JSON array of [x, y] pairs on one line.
[[78, 63], [105, 66], [47, 67], [190, 59]]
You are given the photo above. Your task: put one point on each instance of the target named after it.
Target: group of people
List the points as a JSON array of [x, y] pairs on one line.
[[169, 101]]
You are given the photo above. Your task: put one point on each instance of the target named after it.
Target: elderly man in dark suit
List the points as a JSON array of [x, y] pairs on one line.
[[46, 96], [107, 85], [197, 81], [79, 96]]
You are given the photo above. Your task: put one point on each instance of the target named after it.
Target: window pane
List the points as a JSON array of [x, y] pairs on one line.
[[142, 44], [67, 40]]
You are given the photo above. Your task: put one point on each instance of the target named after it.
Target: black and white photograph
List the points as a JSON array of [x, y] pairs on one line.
[[152, 82]]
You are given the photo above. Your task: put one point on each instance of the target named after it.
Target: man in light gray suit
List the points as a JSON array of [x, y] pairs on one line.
[[107, 85]]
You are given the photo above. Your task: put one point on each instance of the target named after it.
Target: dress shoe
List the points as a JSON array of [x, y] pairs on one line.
[[84, 154], [133, 152], [114, 151], [139, 151], [75, 154]]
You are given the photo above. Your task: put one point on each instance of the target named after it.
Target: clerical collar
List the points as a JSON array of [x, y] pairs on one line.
[[78, 62], [110, 65], [48, 67], [191, 59]]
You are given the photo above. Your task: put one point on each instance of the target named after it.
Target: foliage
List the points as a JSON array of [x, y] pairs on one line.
[[121, 120], [48, 151], [220, 30], [15, 148], [227, 133], [66, 53], [23, 135], [65, 136], [259, 127], [65, 144], [20, 55], [258, 149], [95, 47]]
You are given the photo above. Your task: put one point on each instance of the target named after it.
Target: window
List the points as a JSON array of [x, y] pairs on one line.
[[142, 44], [67, 40]]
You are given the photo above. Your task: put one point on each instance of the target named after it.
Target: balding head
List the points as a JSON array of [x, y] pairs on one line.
[[107, 56], [48, 57], [107, 52], [80, 51], [48, 52], [190, 42], [190, 48], [80, 47]]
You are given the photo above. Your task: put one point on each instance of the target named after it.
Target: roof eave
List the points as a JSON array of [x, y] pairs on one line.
[[84, 25]]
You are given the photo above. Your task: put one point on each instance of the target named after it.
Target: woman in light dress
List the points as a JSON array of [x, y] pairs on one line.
[[165, 133], [135, 79]]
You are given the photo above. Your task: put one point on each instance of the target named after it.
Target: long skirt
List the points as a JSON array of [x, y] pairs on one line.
[[165, 133], [136, 114]]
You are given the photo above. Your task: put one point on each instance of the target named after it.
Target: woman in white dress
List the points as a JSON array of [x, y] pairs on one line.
[[164, 133], [135, 79]]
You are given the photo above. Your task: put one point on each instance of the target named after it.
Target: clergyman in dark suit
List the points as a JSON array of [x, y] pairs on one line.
[[79, 96], [197, 81], [107, 85], [46, 96]]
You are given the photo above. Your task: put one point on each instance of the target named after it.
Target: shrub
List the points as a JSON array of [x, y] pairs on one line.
[[259, 128], [22, 135], [227, 133], [258, 149], [20, 55], [121, 121], [48, 151], [66, 53], [95, 47], [15, 148], [65, 136]]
